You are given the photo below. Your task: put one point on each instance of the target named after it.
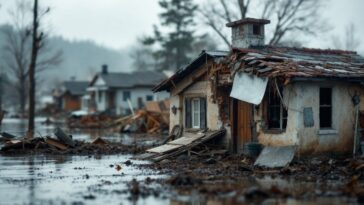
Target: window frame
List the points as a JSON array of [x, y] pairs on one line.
[[256, 27], [149, 98], [196, 110], [283, 112], [325, 106], [99, 96], [126, 95]]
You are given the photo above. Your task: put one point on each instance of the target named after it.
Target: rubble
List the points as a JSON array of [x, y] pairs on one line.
[[143, 122], [153, 118], [66, 145]]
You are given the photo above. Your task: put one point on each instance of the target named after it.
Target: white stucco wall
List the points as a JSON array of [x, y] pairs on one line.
[[311, 139]]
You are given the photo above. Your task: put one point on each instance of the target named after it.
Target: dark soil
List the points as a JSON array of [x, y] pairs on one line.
[[308, 178]]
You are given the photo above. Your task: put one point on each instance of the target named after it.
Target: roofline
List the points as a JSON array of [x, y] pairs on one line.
[[159, 87], [324, 78], [248, 21], [304, 49]]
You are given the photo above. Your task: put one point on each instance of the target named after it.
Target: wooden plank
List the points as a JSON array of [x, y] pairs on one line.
[[185, 148], [56, 143], [164, 148], [185, 140]]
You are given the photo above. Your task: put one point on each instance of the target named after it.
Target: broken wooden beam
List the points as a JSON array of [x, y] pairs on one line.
[[55, 143], [187, 146]]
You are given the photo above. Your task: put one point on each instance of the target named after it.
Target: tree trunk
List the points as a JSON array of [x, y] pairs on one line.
[[32, 65], [22, 96]]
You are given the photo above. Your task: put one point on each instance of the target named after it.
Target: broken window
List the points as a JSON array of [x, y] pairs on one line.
[[195, 115], [325, 107], [126, 95], [256, 30], [277, 113]]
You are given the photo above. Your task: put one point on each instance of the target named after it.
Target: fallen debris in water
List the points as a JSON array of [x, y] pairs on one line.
[[65, 139], [99, 141], [55, 143], [66, 145]]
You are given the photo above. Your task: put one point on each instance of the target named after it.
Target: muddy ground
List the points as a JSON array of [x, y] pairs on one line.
[[98, 174], [333, 180]]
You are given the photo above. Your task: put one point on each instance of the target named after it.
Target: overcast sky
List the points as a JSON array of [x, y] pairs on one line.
[[117, 23]]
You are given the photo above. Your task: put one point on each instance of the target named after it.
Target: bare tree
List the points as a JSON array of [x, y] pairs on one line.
[[349, 41], [18, 47], [143, 57], [287, 16]]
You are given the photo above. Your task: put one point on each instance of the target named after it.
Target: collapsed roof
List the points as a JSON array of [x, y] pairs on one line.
[[269, 61]]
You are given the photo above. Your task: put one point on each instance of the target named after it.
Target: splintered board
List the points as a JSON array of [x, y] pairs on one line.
[[187, 139], [164, 148]]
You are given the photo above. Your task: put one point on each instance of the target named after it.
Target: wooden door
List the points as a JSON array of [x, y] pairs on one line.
[[244, 123]]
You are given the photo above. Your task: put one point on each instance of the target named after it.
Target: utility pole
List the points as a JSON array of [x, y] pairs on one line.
[[1, 97], [1, 92], [35, 47]]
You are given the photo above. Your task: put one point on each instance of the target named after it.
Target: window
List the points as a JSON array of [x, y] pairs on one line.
[[257, 30], [99, 96], [149, 97], [126, 95], [325, 107], [277, 114], [195, 114]]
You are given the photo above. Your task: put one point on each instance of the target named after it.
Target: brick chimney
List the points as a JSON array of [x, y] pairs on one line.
[[104, 69], [247, 32]]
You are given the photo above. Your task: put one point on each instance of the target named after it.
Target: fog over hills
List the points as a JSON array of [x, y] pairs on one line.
[[80, 59]]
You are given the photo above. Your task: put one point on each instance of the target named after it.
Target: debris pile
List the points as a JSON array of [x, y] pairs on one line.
[[62, 144], [154, 118], [188, 142], [91, 122]]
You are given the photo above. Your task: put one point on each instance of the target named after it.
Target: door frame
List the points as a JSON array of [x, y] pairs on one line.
[[235, 124]]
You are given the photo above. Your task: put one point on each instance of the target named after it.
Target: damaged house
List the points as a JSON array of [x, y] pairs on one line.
[[275, 96]]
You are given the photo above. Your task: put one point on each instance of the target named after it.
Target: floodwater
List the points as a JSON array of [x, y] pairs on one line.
[[106, 179], [70, 180]]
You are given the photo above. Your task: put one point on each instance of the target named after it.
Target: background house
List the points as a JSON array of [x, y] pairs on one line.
[[72, 93], [117, 92]]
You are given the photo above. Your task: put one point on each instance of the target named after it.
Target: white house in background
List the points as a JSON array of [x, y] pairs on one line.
[[112, 92]]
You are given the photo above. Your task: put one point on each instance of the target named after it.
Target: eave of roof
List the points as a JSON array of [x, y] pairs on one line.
[[181, 73]]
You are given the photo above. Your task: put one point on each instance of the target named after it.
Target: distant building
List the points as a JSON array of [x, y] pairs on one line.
[[71, 95], [116, 93]]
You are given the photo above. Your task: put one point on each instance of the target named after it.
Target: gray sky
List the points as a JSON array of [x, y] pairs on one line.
[[117, 23]]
